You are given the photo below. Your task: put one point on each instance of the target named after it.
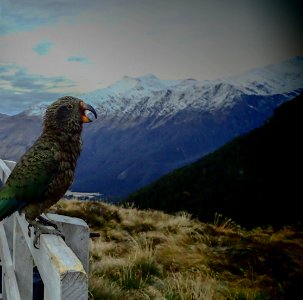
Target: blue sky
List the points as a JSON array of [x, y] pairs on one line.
[[43, 47], [52, 48]]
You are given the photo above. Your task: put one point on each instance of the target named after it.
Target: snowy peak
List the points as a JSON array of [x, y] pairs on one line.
[[273, 79], [148, 83], [124, 85], [152, 82], [37, 110], [3, 115]]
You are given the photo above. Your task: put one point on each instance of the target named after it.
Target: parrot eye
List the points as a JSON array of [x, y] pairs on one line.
[[69, 106]]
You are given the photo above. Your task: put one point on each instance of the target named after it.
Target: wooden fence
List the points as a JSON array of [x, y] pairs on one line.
[[63, 265]]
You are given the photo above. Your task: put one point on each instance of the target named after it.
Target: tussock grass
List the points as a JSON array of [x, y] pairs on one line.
[[153, 255]]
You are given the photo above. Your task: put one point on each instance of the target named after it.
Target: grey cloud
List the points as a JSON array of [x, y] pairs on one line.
[[24, 15], [43, 47], [12, 103], [79, 59], [21, 79], [18, 89]]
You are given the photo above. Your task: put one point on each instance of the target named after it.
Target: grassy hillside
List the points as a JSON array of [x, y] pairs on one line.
[[153, 255], [255, 179]]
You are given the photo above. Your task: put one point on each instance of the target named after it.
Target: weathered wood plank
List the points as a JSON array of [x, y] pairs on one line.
[[10, 281], [8, 224], [4, 171], [76, 233], [8, 227], [62, 272], [23, 263], [10, 163]]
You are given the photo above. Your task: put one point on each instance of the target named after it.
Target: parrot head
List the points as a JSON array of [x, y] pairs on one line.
[[68, 114]]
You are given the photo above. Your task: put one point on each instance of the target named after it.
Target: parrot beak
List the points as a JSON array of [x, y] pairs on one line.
[[83, 108]]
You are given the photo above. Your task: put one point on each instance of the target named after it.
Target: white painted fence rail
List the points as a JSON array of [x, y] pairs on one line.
[[63, 265]]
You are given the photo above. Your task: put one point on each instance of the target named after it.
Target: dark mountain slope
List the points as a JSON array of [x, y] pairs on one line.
[[256, 179]]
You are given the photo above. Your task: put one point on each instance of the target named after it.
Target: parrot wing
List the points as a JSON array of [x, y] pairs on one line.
[[30, 179]]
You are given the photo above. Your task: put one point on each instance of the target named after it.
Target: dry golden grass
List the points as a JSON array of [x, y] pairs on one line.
[[153, 255]]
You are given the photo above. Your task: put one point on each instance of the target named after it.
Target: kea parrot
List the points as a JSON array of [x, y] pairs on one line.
[[46, 170]]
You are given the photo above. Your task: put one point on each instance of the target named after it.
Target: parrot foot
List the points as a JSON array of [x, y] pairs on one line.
[[42, 229], [47, 222]]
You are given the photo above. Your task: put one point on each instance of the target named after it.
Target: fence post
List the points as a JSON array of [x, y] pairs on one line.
[[10, 286], [23, 263], [6, 166], [5, 171], [76, 233]]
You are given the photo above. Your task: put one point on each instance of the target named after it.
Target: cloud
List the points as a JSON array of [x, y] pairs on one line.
[[14, 103], [43, 47], [80, 59], [20, 79], [27, 15], [19, 89]]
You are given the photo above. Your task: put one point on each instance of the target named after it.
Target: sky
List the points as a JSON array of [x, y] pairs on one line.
[[52, 48]]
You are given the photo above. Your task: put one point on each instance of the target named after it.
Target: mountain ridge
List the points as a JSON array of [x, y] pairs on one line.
[[145, 96]]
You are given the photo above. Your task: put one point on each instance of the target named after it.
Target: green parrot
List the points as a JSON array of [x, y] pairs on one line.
[[46, 170]]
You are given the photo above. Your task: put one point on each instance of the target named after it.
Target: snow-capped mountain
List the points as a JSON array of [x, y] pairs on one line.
[[147, 96], [147, 127], [142, 97], [3, 116], [273, 79]]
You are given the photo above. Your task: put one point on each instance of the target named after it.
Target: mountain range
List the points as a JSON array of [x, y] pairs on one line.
[[147, 127], [253, 179]]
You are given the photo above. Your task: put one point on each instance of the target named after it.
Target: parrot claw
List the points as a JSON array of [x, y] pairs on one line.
[[47, 222], [42, 229], [29, 230]]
